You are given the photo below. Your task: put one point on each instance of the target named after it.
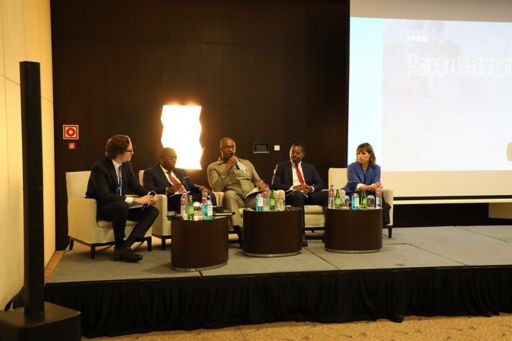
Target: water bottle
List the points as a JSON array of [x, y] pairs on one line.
[[370, 201], [337, 200], [272, 202], [190, 208], [346, 202], [183, 206], [330, 201], [378, 197], [204, 205], [198, 213], [210, 207], [259, 202], [266, 196], [355, 201]]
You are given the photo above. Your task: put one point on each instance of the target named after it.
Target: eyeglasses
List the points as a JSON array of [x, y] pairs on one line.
[[129, 151]]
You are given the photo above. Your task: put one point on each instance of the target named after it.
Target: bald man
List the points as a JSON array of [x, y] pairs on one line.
[[236, 178]]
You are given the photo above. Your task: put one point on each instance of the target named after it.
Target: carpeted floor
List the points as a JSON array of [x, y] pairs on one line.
[[413, 328]]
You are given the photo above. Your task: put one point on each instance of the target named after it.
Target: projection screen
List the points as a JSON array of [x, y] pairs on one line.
[[431, 89]]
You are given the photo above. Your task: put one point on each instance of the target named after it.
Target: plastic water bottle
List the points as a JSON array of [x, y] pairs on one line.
[[378, 197], [346, 202], [355, 201], [183, 206], [337, 200], [259, 202], [190, 208], [204, 205], [266, 196], [330, 201], [210, 207], [370, 201], [272, 202]]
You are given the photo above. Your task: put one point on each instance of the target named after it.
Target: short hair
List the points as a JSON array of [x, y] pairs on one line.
[[224, 139], [298, 145], [166, 151], [116, 145], [369, 149]]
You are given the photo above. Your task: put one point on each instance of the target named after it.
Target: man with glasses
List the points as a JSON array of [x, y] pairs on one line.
[[108, 182]]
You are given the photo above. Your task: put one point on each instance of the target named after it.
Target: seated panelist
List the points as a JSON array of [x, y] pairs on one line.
[[364, 175], [237, 178], [165, 178], [301, 182], [108, 182]]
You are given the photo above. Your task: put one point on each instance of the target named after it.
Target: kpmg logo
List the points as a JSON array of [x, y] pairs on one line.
[[418, 36]]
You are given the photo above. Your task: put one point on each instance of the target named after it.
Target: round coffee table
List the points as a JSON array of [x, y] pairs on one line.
[[199, 245], [353, 231], [273, 234]]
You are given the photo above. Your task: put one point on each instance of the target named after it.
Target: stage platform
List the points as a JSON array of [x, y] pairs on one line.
[[420, 271]]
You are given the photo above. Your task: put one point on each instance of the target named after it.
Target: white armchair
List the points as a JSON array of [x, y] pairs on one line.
[[83, 226], [338, 178]]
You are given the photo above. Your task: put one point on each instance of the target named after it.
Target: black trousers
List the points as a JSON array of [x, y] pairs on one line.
[[118, 212], [298, 199]]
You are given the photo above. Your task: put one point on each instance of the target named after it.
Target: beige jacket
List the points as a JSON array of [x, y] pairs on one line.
[[242, 182]]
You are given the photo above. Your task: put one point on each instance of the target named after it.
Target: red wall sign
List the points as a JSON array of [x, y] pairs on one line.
[[70, 131]]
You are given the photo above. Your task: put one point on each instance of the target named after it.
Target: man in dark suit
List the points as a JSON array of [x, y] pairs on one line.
[[165, 178], [108, 182], [300, 180]]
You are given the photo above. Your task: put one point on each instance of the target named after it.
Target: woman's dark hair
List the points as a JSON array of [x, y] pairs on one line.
[[369, 149], [117, 144]]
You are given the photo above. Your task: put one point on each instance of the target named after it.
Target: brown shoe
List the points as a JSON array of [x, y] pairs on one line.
[[126, 254]]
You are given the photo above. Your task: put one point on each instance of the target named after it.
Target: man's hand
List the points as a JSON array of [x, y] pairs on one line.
[[262, 186], [231, 162], [173, 189], [148, 199]]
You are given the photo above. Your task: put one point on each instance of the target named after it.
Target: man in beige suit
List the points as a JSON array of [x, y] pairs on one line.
[[236, 178]]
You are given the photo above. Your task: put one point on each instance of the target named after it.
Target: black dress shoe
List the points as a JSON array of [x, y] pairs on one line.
[[126, 254], [304, 240]]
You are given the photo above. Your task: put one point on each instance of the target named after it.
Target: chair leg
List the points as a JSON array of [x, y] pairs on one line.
[[93, 251], [71, 243], [390, 231], [150, 244]]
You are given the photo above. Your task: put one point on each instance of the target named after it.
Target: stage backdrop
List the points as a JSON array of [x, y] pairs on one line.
[[263, 71]]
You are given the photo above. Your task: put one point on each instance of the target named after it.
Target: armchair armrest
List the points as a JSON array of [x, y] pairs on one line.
[[81, 217]]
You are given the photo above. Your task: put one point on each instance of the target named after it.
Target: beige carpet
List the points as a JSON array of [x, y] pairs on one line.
[[413, 328]]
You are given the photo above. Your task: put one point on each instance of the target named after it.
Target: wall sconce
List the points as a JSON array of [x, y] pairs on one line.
[[181, 132]]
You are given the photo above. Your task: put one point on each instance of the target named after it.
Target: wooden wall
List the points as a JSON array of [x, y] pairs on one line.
[[263, 71]]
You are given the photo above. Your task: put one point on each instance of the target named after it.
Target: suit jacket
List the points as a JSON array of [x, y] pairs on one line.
[[283, 177], [103, 182], [240, 181], [356, 176], [156, 180]]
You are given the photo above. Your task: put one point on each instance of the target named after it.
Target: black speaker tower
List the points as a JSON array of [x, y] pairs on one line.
[[37, 320]]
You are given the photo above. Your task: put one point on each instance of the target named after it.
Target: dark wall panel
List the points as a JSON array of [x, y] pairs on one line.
[[264, 71]]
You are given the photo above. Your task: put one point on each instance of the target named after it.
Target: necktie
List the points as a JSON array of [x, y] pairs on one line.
[[175, 182], [119, 181], [299, 175]]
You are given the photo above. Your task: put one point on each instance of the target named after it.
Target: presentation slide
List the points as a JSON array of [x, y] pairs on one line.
[[433, 96]]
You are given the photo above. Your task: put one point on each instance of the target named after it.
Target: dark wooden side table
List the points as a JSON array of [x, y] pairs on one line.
[[273, 234], [199, 245], [353, 231]]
